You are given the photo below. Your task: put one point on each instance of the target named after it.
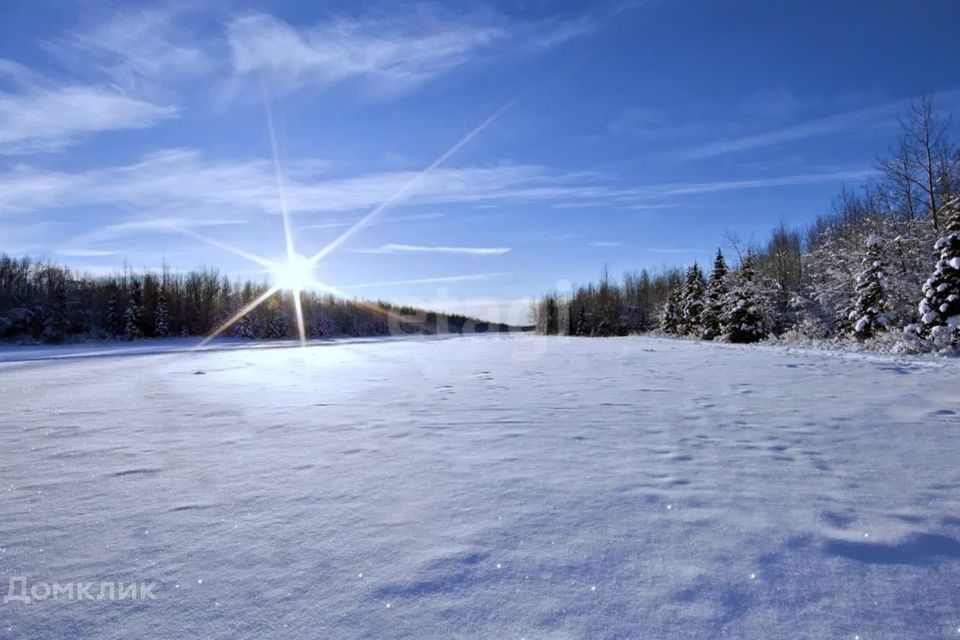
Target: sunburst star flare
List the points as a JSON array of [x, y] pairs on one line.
[[296, 273]]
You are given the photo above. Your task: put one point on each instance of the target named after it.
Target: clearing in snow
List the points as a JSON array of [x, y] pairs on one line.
[[482, 487]]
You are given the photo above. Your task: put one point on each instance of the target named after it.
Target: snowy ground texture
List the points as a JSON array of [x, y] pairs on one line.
[[484, 487]]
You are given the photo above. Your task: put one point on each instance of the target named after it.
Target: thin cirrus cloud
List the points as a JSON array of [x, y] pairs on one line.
[[51, 118], [141, 225], [472, 277], [97, 83], [93, 243], [877, 116], [140, 50], [184, 180], [24, 189], [388, 54], [84, 253], [820, 126], [604, 243], [401, 219], [392, 56], [792, 180], [412, 248]]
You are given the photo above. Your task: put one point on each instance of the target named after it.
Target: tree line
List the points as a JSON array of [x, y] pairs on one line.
[[882, 264], [44, 302]]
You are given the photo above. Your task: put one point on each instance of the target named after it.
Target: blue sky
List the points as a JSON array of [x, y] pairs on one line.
[[632, 134]]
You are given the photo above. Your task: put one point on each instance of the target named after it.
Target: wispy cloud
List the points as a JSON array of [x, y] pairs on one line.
[[24, 237], [878, 116], [90, 243], [396, 219], [604, 243], [411, 248], [765, 118], [184, 183], [386, 53], [139, 50], [653, 206], [473, 277], [390, 54], [50, 118], [85, 253], [105, 76], [182, 180], [690, 188], [25, 189]]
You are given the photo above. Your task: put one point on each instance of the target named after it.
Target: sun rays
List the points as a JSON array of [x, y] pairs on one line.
[[295, 273], [397, 195]]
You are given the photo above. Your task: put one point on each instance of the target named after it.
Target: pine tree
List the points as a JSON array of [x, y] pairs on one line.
[[279, 326], [609, 308], [161, 317], [581, 328], [113, 321], [671, 316], [692, 302], [869, 309], [743, 316], [322, 325], [940, 307], [716, 294], [244, 328], [56, 325], [551, 316], [131, 317]]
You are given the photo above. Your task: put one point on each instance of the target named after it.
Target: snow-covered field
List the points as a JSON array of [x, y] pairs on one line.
[[483, 487]]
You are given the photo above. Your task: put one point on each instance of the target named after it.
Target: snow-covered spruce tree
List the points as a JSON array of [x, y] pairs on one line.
[[244, 328], [131, 317], [161, 317], [670, 316], [581, 328], [692, 302], [56, 325], [940, 307], [113, 320], [868, 315], [279, 326], [711, 326], [810, 320], [322, 324], [910, 262], [743, 315]]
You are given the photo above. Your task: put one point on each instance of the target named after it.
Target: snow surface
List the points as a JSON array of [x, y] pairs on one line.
[[483, 487]]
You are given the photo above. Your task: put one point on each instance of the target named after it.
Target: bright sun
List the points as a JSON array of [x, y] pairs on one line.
[[295, 274]]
